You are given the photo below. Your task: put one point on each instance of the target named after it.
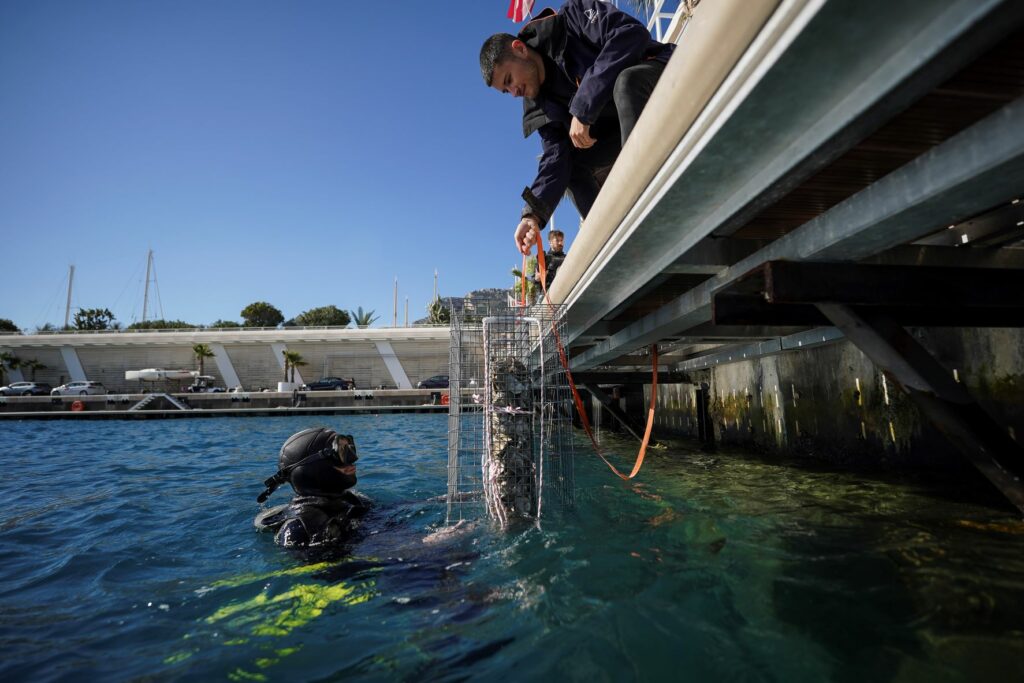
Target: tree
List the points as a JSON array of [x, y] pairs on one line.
[[322, 317], [162, 325], [224, 323], [364, 319], [292, 360], [93, 319], [202, 352], [9, 326], [46, 328], [438, 313], [8, 361], [261, 314], [32, 366], [531, 283]]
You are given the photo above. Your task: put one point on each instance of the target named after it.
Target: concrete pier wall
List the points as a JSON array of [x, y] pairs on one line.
[[249, 355], [833, 403]]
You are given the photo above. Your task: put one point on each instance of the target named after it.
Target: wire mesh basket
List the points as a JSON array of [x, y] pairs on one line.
[[510, 447]]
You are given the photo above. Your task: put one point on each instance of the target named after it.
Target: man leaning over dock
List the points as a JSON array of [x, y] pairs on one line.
[[585, 74]]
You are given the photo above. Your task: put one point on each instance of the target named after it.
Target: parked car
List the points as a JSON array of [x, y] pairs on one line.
[[435, 382], [26, 389], [80, 388], [203, 384], [328, 384]]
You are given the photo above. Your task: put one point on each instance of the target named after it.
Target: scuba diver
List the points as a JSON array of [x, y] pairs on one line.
[[319, 464]]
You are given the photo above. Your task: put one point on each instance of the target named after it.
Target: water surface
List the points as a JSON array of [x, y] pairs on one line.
[[129, 553]]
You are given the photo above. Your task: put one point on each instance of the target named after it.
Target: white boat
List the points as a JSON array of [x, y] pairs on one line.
[[158, 374]]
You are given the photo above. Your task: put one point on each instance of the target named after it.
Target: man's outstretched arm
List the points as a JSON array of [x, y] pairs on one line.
[[553, 172]]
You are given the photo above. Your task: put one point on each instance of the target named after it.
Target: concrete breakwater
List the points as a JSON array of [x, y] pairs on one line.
[[178, 405], [395, 358]]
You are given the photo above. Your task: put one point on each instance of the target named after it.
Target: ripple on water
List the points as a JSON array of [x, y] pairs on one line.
[[131, 554]]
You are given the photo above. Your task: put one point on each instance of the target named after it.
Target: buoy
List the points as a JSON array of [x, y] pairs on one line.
[[77, 407], [444, 399]]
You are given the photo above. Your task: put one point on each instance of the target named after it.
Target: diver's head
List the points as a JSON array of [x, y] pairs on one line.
[[316, 462]]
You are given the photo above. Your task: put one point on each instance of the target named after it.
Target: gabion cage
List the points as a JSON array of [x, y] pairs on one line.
[[510, 448]]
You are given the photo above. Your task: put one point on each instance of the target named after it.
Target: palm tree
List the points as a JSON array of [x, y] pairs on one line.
[[297, 362], [531, 282], [363, 319], [8, 360], [292, 360], [33, 365], [202, 352], [438, 313]]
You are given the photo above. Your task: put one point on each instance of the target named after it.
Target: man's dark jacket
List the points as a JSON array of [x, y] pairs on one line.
[[553, 261], [592, 42]]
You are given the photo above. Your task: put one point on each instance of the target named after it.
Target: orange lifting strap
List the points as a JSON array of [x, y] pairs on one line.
[[543, 271]]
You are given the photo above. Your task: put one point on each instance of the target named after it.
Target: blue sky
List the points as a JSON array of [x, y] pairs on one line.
[[301, 153]]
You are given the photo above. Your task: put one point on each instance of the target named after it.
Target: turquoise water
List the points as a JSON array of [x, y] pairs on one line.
[[129, 554]]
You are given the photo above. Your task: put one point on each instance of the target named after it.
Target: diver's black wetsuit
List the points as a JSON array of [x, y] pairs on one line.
[[314, 520]]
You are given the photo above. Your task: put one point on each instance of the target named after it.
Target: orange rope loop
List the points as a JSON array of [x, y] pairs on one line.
[[542, 272]]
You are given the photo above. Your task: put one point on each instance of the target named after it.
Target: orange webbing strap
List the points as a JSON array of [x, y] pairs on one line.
[[542, 270], [522, 288]]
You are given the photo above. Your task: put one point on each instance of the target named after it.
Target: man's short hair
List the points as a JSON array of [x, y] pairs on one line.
[[558, 233], [495, 50]]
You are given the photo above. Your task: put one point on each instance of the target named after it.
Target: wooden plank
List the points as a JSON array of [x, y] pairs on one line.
[[855, 284], [785, 293], [751, 310], [611, 377]]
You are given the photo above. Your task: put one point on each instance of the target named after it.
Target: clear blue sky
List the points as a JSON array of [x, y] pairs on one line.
[[300, 153]]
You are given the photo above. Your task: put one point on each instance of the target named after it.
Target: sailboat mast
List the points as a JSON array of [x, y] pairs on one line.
[[145, 295], [67, 308]]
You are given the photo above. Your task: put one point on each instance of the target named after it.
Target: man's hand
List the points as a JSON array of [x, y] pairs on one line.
[[526, 234], [579, 133]]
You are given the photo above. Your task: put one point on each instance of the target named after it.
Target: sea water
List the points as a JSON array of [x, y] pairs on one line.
[[128, 553]]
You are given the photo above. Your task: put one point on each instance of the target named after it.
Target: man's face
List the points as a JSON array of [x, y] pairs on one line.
[[557, 242], [517, 74]]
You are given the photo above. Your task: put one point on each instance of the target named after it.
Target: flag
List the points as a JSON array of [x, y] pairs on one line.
[[518, 9]]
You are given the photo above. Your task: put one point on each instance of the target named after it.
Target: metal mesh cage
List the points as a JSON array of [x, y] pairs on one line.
[[510, 448]]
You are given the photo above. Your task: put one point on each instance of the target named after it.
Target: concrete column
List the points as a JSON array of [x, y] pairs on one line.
[[224, 366], [394, 366], [13, 374], [74, 366], [278, 349]]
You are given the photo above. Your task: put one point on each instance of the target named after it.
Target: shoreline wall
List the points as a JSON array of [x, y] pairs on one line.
[[832, 403]]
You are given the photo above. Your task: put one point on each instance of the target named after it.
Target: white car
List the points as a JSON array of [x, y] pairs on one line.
[[82, 388], [25, 389]]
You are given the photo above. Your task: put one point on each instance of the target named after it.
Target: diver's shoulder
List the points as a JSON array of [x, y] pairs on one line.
[[293, 533], [271, 518], [357, 499]]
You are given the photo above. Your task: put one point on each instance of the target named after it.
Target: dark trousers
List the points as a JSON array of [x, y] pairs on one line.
[[590, 167]]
